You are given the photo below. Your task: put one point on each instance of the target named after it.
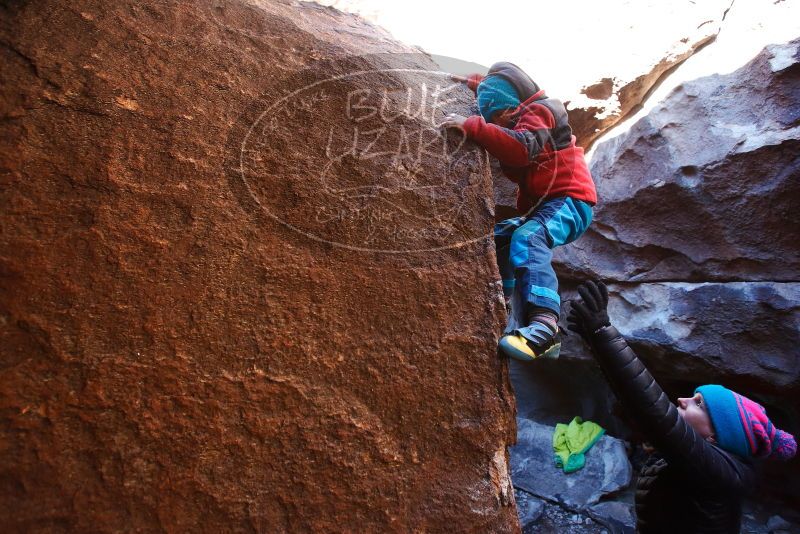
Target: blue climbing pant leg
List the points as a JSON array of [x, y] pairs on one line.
[[554, 223], [502, 241]]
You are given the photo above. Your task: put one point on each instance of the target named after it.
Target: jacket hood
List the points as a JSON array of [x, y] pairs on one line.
[[523, 83]]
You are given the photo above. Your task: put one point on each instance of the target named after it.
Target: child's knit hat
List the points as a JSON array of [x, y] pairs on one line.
[[742, 426], [495, 93]]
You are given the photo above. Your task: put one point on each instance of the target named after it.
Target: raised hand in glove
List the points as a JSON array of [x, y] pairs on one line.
[[588, 314]]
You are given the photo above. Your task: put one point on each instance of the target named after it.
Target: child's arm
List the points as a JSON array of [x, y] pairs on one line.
[[472, 81], [517, 147]]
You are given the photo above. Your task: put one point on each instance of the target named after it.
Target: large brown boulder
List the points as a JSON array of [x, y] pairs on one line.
[[194, 337]]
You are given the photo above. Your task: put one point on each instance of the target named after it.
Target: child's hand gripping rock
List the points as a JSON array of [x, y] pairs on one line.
[[454, 120]]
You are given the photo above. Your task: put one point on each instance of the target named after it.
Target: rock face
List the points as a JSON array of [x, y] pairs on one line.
[[711, 271], [193, 339], [619, 517], [533, 470], [529, 507], [738, 332], [697, 227], [555, 391], [704, 188], [742, 333], [696, 231]]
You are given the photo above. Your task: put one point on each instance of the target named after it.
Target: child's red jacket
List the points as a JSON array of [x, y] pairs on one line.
[[539, 152]]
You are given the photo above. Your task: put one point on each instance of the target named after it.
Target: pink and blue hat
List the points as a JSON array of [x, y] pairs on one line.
[[742, 426]]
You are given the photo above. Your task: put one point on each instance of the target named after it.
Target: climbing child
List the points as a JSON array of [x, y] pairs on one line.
[[530, 135], [706, 445]]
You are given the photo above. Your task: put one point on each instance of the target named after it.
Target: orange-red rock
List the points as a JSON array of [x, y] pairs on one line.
[[193, 338]]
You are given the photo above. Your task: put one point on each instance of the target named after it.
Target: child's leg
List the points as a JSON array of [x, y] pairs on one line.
[[531, 257], [556, 222], [502, 241]]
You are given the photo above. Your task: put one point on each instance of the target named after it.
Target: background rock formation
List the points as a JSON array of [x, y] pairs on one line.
[[630, 60], [607, 468], [697, 233], [712, 173], [180, 355], [698, 227]]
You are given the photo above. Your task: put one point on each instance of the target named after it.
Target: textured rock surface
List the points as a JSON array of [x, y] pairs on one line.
[[179, 356], [607, 468], [747, 28], [555, 391], [758, 520], [697, 230], [529, 507], [704, 188], [697, 222], [739, 332], [557, 520], [743, 333], [620, 518]]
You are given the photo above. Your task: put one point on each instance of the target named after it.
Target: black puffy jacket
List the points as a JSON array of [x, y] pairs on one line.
[[691, 485]]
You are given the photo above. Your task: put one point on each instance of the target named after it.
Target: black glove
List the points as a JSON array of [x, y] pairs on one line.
[[588, 314]]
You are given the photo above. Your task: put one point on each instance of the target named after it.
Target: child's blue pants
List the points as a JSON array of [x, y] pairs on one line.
[[524, 251]]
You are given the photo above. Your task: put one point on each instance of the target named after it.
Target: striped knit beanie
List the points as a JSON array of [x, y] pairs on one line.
[[742, 426]]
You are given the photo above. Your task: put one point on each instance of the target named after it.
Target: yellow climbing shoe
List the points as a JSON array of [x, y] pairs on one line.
[[531, 342]]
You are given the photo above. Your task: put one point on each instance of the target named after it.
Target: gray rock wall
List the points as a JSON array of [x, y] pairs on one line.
[[696, 232], [697, 227], [705, 187]]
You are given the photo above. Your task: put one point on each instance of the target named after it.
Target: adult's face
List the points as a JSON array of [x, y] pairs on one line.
[[694, 412]]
